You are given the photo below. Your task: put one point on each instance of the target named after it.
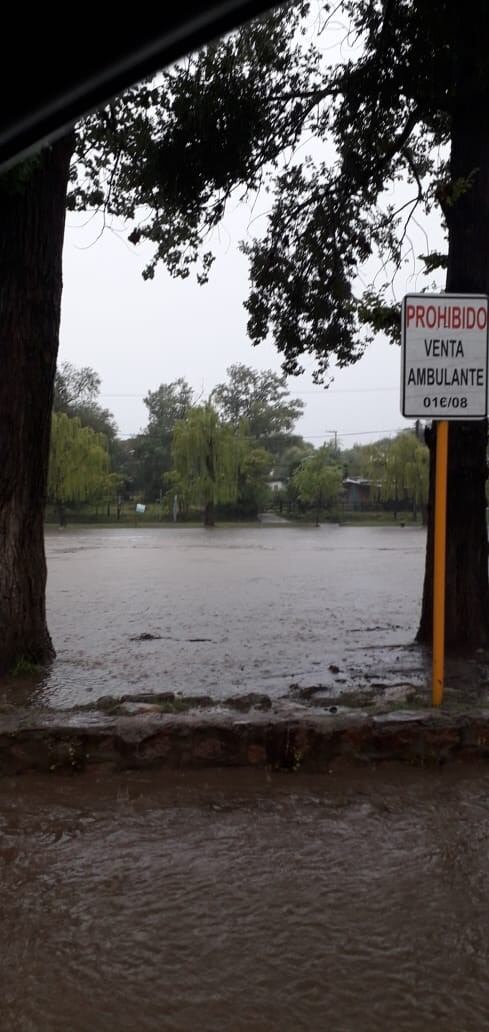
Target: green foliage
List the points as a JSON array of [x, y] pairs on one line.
[[253, 465], [353, 461], [217, 463], [167, 405], [262, 400], [224, 454], [319, 480], [152, 449], [75, 393], [292, 457], [204, 460], [398, 469], [78, 461], [405, 471], [373, 464]]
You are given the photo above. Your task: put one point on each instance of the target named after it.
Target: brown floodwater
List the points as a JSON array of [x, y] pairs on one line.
[[231, 610], [354, 902]]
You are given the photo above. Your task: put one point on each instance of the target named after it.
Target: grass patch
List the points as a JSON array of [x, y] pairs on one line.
[[175, 706], [24, 667]]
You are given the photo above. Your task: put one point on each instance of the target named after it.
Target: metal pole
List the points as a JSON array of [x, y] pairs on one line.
[[439, 571]]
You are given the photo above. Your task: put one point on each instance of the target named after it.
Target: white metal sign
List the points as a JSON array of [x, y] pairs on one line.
[[444, 356]]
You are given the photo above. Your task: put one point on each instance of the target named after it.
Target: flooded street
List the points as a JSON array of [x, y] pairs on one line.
[[355, 902], [231, 610], [249, 900]]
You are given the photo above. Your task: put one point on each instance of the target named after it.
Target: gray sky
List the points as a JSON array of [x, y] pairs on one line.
[[139, 334]]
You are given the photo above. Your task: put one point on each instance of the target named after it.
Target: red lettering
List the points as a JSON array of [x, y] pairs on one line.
[[470, 323], [455, 317]]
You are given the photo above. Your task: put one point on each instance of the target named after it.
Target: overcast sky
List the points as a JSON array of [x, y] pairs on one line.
[[138, 334]]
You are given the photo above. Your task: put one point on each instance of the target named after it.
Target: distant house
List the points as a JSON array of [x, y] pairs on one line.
[[357, 492], [274, 482]]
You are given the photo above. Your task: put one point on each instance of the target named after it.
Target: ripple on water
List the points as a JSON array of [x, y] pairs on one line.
[[242, 903]]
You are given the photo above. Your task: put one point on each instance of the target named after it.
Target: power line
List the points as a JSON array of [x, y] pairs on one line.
[[297, 394], [305, 437]]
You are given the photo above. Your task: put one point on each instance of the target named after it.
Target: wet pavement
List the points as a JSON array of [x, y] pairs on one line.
[[231, 611], [355, 902]]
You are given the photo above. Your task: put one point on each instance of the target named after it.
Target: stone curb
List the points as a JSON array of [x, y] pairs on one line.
[[56, 744]]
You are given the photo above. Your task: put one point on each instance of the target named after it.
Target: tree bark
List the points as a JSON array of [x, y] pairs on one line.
[[467, 598], [32, 218]]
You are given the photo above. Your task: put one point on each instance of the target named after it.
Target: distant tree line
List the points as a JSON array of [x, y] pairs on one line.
[[229, 456]]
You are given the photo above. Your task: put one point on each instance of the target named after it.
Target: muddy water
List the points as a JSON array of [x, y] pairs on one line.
[[357, 902], [235, 610]]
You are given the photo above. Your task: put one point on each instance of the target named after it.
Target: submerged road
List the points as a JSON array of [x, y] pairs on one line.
[[355, 902]]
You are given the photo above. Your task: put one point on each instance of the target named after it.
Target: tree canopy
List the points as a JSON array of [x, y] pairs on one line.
[[151, 450], [261, 399], [76, 391], [318, 480], [204, 460], [326, 132], [78, 462]]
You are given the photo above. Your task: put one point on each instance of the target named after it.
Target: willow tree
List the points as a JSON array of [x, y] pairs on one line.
[[204, 460], [404, 474], [417, 479], [78, 463]]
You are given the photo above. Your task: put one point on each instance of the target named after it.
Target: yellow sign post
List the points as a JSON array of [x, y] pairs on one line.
[[439, 569]]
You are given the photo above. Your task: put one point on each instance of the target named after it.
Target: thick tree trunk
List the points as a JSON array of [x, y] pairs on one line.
[[467, 612], [32, 217]]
